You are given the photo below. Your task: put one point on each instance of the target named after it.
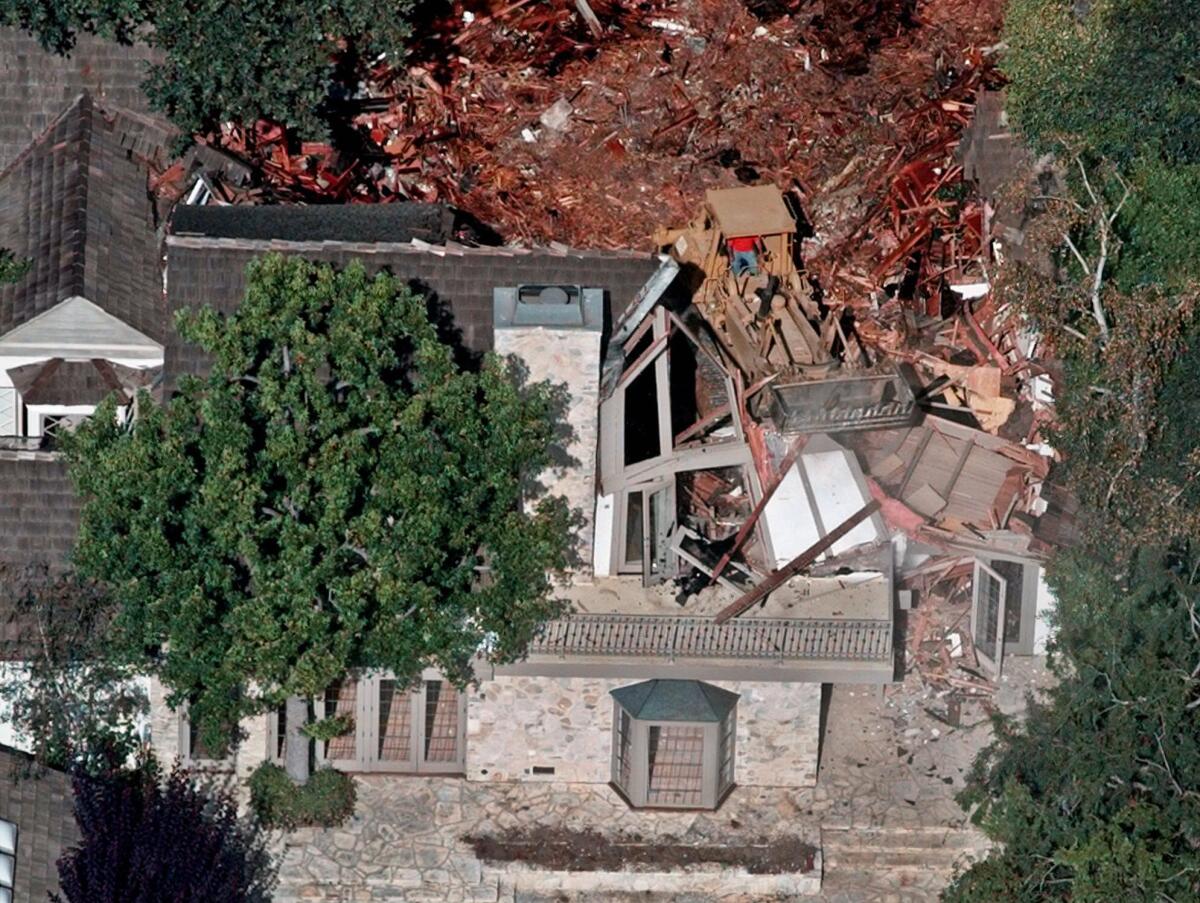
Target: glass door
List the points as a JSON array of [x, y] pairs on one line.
[[988, 618]]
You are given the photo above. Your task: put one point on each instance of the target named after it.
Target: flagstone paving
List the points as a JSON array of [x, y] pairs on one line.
[[883, 814]]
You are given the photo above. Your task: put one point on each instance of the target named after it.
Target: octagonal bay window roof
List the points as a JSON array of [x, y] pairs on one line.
[[673, 743]]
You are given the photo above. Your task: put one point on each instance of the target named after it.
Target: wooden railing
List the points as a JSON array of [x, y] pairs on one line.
[[671, 637]]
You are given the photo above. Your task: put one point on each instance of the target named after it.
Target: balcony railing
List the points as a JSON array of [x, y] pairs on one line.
[[671, 637]]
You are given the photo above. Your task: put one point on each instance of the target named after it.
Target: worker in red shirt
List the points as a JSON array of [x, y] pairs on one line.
[[744, 254]]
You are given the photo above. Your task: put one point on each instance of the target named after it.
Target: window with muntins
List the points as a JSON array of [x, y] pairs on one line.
[[674, 743], [391, 726]]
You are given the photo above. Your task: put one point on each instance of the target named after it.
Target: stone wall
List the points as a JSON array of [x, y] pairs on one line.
[[515, 724], [778, 734], [570, 356]]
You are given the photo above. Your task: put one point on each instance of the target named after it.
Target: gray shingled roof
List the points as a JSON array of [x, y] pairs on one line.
[[35, 85], [43, 809], [39, 510], [211, 270], [675, 700], [77, 204], [76, 382], [398, 222]]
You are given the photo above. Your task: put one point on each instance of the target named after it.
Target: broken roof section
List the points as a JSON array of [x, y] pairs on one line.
[[821, 490]]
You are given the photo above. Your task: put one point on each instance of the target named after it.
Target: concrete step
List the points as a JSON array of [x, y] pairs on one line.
[[899, 847]]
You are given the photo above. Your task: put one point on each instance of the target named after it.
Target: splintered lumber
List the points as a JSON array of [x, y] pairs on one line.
[[585, 12], [788, 461], [804, 560]]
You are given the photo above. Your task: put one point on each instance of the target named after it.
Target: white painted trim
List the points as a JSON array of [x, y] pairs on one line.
[[77, 327]]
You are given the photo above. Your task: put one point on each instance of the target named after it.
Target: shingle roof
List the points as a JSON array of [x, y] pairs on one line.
[[39, 510], [42, 808], [675, 700], [35, 85], [211, 270], [75, 382], [392, 223], [77, 204]]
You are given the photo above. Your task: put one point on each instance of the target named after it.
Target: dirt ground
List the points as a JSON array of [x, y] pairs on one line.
[[586, 851], [890, 767]]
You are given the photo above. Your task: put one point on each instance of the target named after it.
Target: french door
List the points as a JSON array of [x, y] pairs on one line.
[[415, 729], [988, 618]]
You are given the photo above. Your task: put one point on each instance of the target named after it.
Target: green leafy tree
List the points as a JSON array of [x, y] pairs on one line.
[[337, 493], [12, 268], [1095, 796], [1118, 81], [233, 61], [74, 704], [1118, 78]]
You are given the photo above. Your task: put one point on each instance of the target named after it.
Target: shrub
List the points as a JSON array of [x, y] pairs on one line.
[[325, 801]]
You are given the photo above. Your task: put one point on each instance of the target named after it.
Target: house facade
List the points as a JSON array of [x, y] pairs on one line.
[[692, 663]]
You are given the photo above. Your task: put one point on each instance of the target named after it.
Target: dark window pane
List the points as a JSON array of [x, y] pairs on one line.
[[198, 749], [281, 730], [441, 722], [989, 613], [634, 528], [341, 699], [624, 742], [395, 722], [641, 418]]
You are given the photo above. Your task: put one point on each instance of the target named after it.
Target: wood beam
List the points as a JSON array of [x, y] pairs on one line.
[[789, 459], [802, 561]]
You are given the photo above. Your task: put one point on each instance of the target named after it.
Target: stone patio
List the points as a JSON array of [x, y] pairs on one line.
[[883, 815], [405, 841]]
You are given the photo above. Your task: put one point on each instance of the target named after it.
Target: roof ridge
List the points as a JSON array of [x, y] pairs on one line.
[[418, 246], [84, 161], [46, 132]]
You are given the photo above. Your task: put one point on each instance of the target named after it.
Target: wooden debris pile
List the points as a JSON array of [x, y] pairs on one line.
[[939, 646], [548, 128]]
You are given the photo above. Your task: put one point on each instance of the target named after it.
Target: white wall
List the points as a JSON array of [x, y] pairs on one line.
[[1045, 604]]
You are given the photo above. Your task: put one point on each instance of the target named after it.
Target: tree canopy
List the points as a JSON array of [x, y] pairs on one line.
[[1117, 81], [1117, 77], [12, 268], [75, 705], [337, 493], [232, 61], [1095, 796]]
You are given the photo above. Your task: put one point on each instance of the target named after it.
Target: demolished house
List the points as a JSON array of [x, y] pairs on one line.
[[762, 489], [756, 522]]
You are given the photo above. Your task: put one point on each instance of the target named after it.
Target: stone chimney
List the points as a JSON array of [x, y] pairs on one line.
[[556, 330]]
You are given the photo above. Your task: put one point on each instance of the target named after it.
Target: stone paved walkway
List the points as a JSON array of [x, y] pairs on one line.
[[883, 813], [404, 842]]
